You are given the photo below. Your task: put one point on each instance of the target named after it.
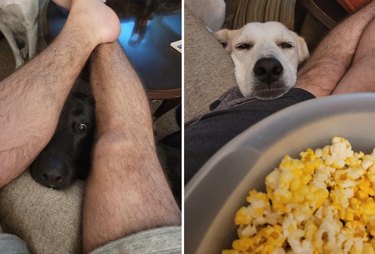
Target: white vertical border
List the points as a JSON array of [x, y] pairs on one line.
[[183, 126]]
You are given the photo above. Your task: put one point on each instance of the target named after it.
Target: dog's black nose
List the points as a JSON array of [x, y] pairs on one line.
[[268, 69], [53, 174]]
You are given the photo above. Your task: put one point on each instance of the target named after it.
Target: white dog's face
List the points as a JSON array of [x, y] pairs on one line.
[[266, 57]]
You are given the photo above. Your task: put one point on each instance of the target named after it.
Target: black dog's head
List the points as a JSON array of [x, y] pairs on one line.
[[68, 155]]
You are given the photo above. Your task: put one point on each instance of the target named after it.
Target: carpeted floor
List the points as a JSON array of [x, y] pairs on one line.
[[6, 59]]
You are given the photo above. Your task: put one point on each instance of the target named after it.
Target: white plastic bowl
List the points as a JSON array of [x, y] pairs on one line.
[[216, 192]]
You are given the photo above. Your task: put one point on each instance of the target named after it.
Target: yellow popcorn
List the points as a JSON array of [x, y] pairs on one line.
[[242, 217], [230, 252], [323, 202], [267, 240]]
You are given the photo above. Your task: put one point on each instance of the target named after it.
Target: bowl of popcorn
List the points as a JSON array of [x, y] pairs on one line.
[[300, 181]]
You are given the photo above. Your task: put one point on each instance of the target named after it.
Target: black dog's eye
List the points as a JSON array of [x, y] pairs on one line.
[[244, 46], [82, 127], [285, 45]]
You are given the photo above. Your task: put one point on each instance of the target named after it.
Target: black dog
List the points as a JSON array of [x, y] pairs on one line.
[[68, 155]]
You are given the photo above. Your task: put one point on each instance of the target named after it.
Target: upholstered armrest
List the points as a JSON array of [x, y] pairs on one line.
[[209, 71]]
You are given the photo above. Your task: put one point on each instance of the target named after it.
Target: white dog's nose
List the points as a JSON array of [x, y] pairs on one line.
[[268, 70]]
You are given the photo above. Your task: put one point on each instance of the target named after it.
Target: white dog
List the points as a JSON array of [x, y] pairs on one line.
[[18, 23], [266, 58]]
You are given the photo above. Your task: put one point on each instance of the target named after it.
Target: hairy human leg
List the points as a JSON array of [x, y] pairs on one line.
[[31, 99], [334, 55], [126, 191], [360, 77]]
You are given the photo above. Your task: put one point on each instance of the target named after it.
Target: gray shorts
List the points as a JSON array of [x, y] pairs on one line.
[[164, 240], [11, 244]]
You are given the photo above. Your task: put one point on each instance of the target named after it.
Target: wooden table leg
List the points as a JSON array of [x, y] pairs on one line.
[[166, 106]]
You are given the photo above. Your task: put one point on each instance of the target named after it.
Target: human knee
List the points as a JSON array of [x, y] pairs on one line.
[[120, 145], [110, 144]]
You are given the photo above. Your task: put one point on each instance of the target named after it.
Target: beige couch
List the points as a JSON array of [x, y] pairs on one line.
[[48, 220], [209, 71]]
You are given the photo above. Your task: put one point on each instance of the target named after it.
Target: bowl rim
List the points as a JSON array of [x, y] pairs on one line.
[[297, 116]]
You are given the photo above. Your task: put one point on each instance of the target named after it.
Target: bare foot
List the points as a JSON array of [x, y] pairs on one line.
[[63, 3], [97, 21], [66, 3]]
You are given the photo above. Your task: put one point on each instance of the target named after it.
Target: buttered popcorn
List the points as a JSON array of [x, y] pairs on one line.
[[320, 203]]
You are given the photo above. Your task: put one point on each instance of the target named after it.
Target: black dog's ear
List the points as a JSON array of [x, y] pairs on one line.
[[91, 101], [225, 37]]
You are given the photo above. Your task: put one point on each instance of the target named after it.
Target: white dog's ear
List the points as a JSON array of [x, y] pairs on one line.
[[303, 51], [225, 36]]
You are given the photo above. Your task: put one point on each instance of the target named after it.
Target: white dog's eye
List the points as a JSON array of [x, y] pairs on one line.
[[242, 46], [285, 45]]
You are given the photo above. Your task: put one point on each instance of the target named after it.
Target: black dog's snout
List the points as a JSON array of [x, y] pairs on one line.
[[268, 69], [54, 173]]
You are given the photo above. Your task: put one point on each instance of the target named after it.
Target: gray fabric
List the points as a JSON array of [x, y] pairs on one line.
[[205, 137], [11, 244], [164, 240], [230, 98]]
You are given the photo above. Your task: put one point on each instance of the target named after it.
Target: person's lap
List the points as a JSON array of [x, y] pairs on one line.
[[212, 131]]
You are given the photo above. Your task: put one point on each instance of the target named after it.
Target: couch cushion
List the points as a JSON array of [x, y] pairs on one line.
[[49, 221], [264, 11], [209, 71]]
